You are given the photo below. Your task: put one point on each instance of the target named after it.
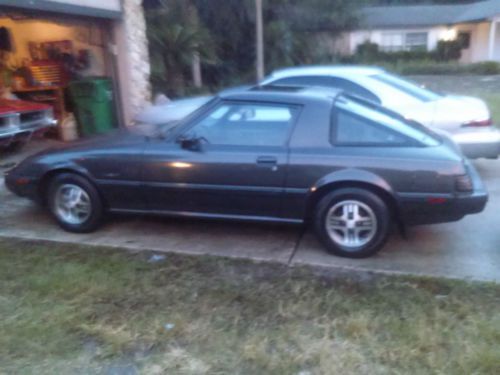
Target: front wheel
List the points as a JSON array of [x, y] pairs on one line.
[[75, 203], [352, 223]]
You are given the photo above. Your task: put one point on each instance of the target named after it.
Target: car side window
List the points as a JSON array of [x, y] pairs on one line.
[[237, 124], [352, 129]]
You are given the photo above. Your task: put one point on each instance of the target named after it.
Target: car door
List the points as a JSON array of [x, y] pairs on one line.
[[238, 166]]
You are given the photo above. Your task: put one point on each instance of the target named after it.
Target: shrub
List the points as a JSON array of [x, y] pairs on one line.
[[443, 60], [368, 52], [485, 67], [448, 50], [424, 67]]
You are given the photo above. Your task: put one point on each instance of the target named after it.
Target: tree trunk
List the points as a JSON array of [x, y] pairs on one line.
[[196, 70], [259, 36]]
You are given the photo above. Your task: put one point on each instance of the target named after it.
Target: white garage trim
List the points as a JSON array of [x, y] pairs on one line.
[[110, 9]]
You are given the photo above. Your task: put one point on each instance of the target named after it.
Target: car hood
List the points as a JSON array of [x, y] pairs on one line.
[[113, 140]]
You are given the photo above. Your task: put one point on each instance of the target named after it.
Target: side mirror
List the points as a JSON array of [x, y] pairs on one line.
[[191, 143]]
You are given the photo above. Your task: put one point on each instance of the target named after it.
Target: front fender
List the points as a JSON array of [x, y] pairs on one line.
[[50, 170], [70, 167]]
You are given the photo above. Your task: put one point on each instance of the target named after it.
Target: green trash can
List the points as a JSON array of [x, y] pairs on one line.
[[93, 105]]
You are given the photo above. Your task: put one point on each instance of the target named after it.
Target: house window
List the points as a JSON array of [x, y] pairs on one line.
[[392, 42], [400, 41], [416, 41]]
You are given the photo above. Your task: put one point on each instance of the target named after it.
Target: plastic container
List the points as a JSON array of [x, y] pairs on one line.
[[68, 130], [93, 105]]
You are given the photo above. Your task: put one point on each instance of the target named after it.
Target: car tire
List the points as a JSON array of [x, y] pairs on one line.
[[75, 203], [352, 222]]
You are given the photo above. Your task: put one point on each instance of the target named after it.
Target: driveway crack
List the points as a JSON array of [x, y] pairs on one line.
[[297, 244]]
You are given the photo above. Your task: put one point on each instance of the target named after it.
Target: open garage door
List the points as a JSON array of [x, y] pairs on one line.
[[48, 46]]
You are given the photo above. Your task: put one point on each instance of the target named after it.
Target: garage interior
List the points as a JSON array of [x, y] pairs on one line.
[[43, 55]]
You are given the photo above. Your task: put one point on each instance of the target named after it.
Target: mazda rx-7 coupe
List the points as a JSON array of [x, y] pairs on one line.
[[347, 166]]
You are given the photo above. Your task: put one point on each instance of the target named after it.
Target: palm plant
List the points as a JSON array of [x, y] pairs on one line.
[[176, 40]]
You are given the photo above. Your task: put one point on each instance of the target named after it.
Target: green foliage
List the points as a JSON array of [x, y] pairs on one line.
[[430, 67], [485, 67], [368, 52], [447, 50], [175, 36], [231, 24], [228, 26], [292, 28], [443, 60]]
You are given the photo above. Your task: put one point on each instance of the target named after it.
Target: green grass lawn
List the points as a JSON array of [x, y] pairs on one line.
[[493, 101], [67, 309]]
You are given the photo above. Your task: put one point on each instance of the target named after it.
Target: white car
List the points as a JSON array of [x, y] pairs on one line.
[[467, 119], [170, 110]]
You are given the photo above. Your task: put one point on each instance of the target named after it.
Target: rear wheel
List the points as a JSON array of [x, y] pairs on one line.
[[75, 203], [352, 223]]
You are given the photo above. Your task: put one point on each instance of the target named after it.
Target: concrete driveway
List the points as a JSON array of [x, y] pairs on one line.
[[469, 249]]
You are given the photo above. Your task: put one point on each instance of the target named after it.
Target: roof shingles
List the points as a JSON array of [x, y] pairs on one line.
[[405, 16]]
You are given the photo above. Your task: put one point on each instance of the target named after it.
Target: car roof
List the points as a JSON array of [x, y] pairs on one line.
[[286, 94], [326, 70]]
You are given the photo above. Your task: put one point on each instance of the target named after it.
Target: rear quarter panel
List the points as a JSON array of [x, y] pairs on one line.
[[314, 162]]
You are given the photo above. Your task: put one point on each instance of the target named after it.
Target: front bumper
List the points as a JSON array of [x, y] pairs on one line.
[[479, 143], [8, 138], [417, 209], [23, 134], [22, 186]]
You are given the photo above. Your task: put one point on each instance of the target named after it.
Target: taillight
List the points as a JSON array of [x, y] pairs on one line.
[[463, 183], [478, 123]]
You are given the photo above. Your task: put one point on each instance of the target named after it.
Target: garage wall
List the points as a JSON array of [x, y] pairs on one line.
[[25, 31]]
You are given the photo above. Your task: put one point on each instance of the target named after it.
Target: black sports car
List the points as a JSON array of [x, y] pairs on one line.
[[345, 165]]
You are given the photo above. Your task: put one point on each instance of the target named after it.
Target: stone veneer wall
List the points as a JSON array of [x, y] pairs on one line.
[[135, 83]]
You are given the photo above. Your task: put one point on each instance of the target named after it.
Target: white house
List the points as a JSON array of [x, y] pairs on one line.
[[397, 28]]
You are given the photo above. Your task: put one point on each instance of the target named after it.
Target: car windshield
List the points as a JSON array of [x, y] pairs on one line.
[[167, 128], [407, 87], [389, 119]]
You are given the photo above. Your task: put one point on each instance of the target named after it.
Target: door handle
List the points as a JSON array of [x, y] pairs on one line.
[[267, 160]]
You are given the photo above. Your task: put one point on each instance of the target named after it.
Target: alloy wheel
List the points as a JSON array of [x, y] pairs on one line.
[[351, 224], [72, 204]]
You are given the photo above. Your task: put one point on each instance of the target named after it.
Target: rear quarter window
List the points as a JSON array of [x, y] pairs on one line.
[[351, 129], [358, 124]]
